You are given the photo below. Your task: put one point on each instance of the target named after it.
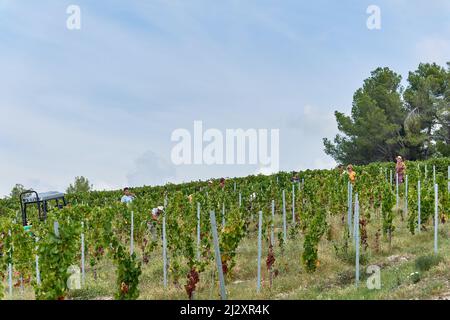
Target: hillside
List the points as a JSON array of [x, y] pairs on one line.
[[311, 229]]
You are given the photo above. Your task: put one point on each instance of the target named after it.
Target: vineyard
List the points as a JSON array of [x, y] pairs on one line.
[[277, 238]]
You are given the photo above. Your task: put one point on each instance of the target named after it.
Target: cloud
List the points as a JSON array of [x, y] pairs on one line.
[[151, 169]]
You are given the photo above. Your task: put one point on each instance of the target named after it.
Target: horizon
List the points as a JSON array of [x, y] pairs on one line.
[[233, 178]]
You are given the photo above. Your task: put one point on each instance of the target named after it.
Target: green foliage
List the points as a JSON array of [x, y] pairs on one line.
[[372, 133], [349, 257], [317, 228], [341, 249], [415, 277], [81, 185], [413, 214], [280, 237], [427, 202], [230, 237], [22, 252], [107, 223], [382, 125], [425, 263], [6, 250], [427, 98], [16, 191], [387, 210], [293, 231], [128, 273], [56, 254]]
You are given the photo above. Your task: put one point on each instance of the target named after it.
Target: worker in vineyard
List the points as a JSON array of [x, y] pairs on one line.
[[156, 212], [400, 169], [127, 197], [222, 183], [351, 174]]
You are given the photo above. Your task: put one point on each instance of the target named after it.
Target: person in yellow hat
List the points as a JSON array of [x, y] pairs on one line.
[[400, 169]]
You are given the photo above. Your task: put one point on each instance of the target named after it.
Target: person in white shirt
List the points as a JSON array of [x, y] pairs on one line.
[[127, 197], [156, 212]]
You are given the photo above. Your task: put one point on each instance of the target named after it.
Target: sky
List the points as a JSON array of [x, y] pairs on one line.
[[103, 101]]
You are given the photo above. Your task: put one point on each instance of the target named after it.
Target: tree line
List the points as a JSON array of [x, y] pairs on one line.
[[80, 185], [389, 120]]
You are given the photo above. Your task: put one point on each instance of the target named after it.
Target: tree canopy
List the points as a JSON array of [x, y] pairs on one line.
[[387, 120], [81, 185], [17, 190]]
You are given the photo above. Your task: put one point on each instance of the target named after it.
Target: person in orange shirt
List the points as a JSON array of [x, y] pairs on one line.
[[351, 174]]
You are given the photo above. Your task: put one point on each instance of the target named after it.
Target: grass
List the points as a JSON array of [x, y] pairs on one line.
[[409, 270]]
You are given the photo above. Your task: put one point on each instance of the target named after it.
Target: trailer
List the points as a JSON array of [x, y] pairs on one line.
[[43, 201]]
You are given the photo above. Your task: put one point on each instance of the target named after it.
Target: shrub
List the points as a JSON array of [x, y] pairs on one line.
[[425, 263]]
